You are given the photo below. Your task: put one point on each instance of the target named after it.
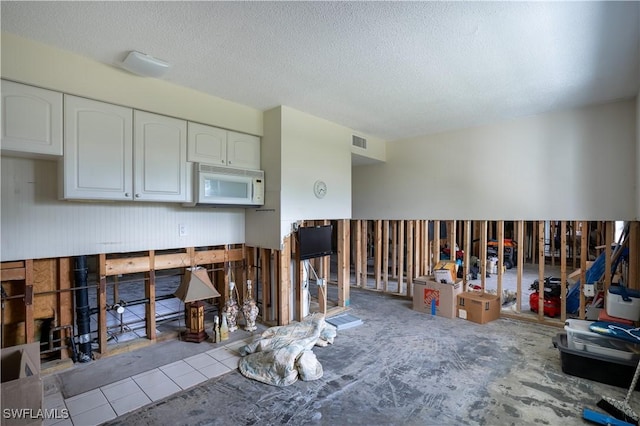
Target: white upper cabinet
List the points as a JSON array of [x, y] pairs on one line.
[[98, 150], [243, 151], [31, 121], [160, 164], [207, 144], [116, 153], [211, 145]]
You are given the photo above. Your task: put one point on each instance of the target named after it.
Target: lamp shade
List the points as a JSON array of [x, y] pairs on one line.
[[195, 286], [145, 65]]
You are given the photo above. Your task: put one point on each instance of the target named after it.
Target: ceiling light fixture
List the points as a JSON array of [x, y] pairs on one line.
[[144, 65]]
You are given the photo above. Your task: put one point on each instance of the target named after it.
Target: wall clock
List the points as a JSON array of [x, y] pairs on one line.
[[320, 189]]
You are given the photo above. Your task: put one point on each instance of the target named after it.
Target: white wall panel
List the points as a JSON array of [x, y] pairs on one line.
[[579, 164], [35, 224]]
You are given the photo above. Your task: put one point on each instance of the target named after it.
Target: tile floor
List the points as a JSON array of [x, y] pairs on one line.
[[110, 401]]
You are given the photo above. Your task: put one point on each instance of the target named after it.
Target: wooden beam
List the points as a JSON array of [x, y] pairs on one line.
[[417, 251], [65, 301], [29, 329], [265, 282], [385, 259], [410, 246], [500, 232], [358, 260], [298, 283], [364, 269], [343, 262], [426, 257], [394, 249], [552, 247], [377, 259], [150, 293], [608, 241], [400, 255], [483, 254], [466, 244], [284, 287], [584, 256], [102, 304], [436, 242], [563, 270], [633, 275], [520, 261], [540, 227], [574, 241], [13, 274]]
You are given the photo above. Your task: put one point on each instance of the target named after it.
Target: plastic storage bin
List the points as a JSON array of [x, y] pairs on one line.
[[600, 368], [618, 307], [580, 338]]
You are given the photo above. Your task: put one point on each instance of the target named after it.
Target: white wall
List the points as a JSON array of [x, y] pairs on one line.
[[572, 165], [298, 149], [35, 224]]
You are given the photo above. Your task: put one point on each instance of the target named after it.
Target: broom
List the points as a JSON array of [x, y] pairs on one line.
[[621, 409]]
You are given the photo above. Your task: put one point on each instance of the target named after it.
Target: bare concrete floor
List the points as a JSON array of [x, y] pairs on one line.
[[399, 367]]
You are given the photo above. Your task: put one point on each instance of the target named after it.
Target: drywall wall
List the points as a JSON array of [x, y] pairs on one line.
[[577, 164], [34, 63], [299, 149], [35, 224], [637, 192], [262, 227]]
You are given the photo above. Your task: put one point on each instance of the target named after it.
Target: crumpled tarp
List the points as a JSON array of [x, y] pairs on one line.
[[283, 354]]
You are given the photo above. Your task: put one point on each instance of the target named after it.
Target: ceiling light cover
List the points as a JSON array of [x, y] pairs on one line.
[[145, 65]]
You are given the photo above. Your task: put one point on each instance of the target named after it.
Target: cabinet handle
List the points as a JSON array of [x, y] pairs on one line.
[[126, 194], [137, 195]]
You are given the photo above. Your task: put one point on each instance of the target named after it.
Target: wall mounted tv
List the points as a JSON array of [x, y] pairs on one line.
[[315, 241]]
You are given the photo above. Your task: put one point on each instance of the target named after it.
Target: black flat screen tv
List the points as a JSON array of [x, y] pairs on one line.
[[315, 241]]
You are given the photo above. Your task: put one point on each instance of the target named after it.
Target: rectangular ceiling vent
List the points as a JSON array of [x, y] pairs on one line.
[[359, 142]]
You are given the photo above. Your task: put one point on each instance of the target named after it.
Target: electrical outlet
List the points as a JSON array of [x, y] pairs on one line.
[[182, 230]]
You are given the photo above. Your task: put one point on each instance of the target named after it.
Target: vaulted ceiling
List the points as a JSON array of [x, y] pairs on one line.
[[388, 69]]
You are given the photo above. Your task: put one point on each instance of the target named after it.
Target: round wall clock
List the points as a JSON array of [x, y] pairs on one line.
[[320, 189]]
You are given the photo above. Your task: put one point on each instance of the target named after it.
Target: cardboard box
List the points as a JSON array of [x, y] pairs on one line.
[[425, 290], [21, 385], [478, 307], [445, 272]]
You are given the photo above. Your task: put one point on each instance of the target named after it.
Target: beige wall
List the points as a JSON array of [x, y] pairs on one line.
[[576, 164], [33, 63]]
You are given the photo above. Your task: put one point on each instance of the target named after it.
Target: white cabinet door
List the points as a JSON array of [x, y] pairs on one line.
[[98, 150], [160, 163], [31, 120], [206, 144], [243, 151]]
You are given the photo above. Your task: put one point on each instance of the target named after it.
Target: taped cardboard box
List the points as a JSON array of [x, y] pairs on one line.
[[444, 296], [478, 307], [21, 385], [445, 272]]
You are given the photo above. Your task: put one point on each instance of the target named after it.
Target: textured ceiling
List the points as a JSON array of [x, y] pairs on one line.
[[388, 69]]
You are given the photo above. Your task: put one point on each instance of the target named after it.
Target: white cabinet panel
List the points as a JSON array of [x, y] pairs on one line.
[[243, 151], [160, 164], [98, 150], [207, 144], [31, 120]]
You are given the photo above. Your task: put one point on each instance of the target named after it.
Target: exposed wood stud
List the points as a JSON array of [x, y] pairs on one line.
[[102, 304], [540, 228], [29, 329], [466, 244], [343, 263], [436, 242], [608, 241], [150, 293], [394, 245], [65, 302], [385, 259], [284, 287], [365, 253], [563, 270], [377, 259], [634, 255], [400, 256], [584, 256], [520, 261], [483, 254], [358, 259], [410, 264], [500, 232]]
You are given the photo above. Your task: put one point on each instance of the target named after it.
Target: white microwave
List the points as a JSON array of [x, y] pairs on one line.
[[226, 186]]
